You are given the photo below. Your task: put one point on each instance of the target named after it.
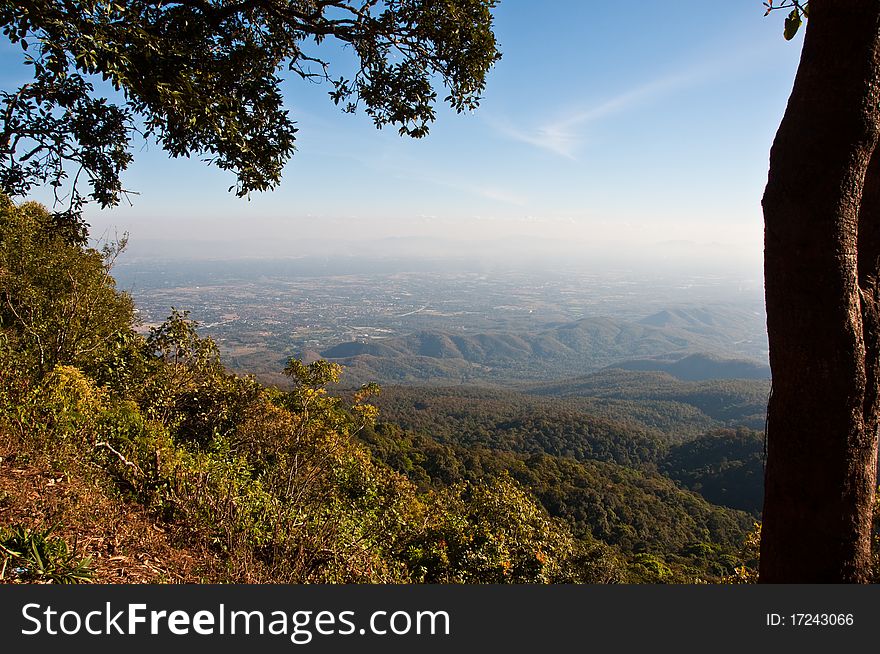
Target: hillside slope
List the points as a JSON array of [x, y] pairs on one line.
[[700, 367], [122, 541], [665, 341]]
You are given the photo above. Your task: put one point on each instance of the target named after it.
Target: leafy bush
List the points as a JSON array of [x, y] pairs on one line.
[[494, 532], [58, 301], [747, 571], [67, 403]]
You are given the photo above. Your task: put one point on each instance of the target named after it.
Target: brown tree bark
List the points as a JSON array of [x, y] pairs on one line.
[[822, 246]]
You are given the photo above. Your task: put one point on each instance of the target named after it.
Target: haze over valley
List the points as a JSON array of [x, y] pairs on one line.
[[457, 320]]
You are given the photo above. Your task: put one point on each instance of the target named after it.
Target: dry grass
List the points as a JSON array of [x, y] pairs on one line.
[[124, 543]]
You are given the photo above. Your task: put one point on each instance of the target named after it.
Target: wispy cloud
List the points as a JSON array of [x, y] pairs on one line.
[[502, 195], [495, 193], [564, 135]]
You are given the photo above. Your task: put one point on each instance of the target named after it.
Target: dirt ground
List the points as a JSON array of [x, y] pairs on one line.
[[123, 542]]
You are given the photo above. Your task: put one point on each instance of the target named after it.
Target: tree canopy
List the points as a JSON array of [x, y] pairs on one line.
[[203, 78]]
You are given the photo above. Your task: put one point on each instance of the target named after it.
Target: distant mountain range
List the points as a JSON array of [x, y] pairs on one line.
[[690, 344]]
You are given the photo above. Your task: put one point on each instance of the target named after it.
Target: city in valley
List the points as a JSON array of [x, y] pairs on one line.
[[262, 312]]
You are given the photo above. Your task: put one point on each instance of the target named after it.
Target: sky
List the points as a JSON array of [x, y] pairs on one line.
[[606, 127]]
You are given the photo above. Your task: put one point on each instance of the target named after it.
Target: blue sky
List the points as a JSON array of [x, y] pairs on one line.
[[607, 124]]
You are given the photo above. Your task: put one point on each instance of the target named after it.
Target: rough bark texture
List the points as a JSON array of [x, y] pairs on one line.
[[822, 244]]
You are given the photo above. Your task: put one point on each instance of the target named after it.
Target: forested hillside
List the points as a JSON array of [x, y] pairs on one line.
[[147, 460], [698, 450], [555, 351], [669, 404]]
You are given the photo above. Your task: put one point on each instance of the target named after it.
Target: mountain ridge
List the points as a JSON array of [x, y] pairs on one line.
[[690, 344]]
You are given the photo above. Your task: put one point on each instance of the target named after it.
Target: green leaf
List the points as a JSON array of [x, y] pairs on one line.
[[792, 24]]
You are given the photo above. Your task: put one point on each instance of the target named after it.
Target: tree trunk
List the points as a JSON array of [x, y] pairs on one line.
[[822, 244]]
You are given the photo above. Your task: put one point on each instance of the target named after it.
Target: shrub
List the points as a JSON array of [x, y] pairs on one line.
[[27, 555]]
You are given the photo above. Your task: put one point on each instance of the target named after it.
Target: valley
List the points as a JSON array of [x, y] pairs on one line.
[[456, 322], [629, 404]]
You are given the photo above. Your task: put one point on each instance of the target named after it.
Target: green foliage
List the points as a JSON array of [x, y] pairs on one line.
[[493, 532], [747, 571], [631, 509], [178, 380], [724, 466], [288, 495], [676, 408], [204, 79], [15, 384], [27, 555], [317, 374], [514, 422], [792, 24], [140, 454], [122, 365], [800, 10], [650, 569], [67, 404], [58, 302], [597, 474]]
